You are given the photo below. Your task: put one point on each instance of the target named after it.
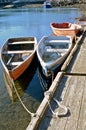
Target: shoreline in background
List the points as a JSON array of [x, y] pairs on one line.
[[81, 6]]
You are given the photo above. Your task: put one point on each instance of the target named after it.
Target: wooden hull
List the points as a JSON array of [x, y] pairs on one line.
[[66, 31], [22, 82], [10, 57], [20, 69], [10, 88], [49, 58]]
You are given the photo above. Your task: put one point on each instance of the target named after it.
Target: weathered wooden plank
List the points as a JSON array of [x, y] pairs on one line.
[[82, 116], [71, 55], [80, 65], [67, 99], [75, 105]]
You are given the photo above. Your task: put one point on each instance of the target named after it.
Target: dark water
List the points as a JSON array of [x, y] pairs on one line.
[[18, 23]]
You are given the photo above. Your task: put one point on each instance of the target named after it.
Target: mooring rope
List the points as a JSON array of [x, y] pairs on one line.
[[48, 94], [32, 114], [52, 74]]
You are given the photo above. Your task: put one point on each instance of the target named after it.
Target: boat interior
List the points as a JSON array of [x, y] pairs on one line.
[[15, 53], [53, 49]]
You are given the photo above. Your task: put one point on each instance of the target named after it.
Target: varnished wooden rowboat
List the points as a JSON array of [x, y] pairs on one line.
[[64, 29], [17, 54]]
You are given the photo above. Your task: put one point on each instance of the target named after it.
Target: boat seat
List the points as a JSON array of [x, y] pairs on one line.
[[20, 42], [56, 50], [10, 60], [16, 63], [56, 41], [17, 52]]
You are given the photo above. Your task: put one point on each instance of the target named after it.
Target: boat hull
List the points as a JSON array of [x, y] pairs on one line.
[[66, 31], [20, 70], [22, 82], [52, 59], [21, 58]]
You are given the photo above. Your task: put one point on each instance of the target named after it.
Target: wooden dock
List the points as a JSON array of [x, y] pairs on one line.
[[69, 88]]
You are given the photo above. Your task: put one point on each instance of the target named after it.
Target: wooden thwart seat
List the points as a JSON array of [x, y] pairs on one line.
[[9, 60], [17, 52], [56, 41], [20, 42], [57, 50], [16, 63]]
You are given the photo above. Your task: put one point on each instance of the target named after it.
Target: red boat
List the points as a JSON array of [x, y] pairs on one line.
[[65, 29]]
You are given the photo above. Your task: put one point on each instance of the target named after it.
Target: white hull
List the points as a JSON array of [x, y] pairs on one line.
[[52, 51]]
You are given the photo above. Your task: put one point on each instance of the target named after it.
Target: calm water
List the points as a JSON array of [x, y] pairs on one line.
[[26, 22]]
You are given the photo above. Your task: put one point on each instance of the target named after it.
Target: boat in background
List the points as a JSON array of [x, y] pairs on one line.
[[52, 52], [65, 29], [47, 4], [17, 54]]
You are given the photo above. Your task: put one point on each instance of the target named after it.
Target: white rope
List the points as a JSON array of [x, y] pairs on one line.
[[32, 114], [47, 94], [52, 74]]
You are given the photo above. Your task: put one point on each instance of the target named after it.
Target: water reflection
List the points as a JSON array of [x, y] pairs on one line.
[[26, 83], [47, 81]]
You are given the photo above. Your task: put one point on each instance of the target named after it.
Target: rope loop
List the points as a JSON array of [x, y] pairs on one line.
[[48, 95]]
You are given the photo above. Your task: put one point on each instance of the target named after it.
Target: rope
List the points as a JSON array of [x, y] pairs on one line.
[[52, 74], [47, 95], [32, 114]]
